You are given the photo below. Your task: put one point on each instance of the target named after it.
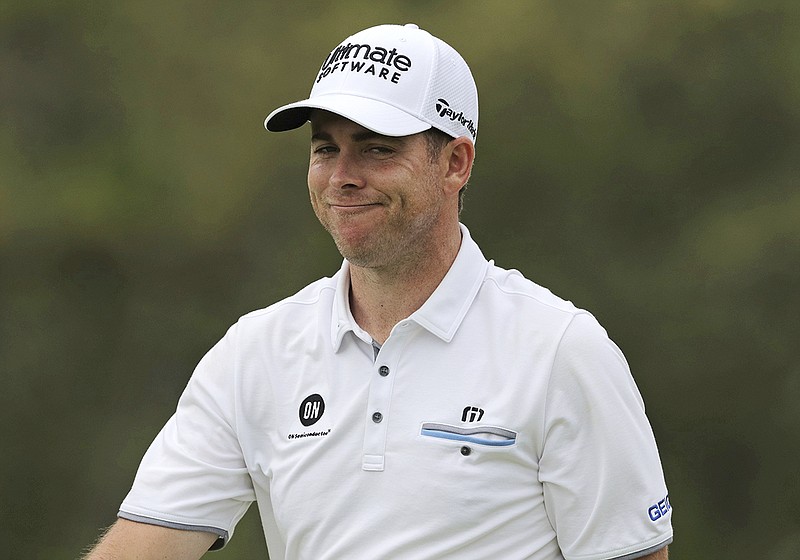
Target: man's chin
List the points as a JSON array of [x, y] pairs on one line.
[[354, 243]]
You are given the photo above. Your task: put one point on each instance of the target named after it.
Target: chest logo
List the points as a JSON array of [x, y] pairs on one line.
[[311, 409], [471, 414]]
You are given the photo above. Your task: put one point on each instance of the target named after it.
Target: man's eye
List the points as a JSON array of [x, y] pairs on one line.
[[324, 150]]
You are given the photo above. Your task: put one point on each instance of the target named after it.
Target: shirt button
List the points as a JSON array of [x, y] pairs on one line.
[[377, 417], [383, 371], [465, 451]]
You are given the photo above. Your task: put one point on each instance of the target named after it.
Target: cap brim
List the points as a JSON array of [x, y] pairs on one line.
[[376, 116]]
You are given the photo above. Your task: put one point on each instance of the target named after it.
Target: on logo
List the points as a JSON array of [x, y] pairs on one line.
[[472, 414], [311, 409], [442, 106]]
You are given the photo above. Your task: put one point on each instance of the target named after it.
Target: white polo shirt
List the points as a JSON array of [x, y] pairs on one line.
[[497, 421]]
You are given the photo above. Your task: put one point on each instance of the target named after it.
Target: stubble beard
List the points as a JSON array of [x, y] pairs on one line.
[[394, 243], [398, 241]]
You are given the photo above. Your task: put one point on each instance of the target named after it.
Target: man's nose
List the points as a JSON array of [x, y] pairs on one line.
[[346, 172]]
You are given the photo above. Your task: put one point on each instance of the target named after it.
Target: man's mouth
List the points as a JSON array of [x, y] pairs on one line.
[[353, 206]]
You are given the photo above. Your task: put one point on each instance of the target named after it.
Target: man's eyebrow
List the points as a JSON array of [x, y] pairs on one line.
[[369, 135], [321, 137], [360, 136]]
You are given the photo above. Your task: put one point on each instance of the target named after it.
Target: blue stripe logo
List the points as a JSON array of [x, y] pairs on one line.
[[492, 436]]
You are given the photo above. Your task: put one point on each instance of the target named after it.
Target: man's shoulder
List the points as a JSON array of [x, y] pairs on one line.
[[296, 306], [513, 285]]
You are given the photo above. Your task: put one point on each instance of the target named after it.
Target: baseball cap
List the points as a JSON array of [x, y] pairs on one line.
[[395, 80]]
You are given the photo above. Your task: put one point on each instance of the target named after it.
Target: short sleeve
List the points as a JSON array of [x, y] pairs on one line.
[[193, 476], [604, 487]]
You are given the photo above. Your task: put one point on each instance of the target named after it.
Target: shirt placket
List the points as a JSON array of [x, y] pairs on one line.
[[378, 412]]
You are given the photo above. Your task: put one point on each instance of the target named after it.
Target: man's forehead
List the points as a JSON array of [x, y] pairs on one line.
[[326, 124]]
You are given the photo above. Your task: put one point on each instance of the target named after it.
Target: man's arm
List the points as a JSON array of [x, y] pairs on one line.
[[127, 540], [662, 554]]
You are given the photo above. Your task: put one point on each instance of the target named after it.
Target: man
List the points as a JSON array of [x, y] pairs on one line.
[[422, 403]]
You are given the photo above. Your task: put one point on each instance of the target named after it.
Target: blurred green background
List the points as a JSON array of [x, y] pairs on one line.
[[637, 157]]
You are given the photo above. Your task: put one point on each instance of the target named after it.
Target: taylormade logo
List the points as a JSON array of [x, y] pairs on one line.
[[444, 110], [366, 59]]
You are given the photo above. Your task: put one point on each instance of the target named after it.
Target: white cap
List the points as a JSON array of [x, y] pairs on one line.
[[395, 80]]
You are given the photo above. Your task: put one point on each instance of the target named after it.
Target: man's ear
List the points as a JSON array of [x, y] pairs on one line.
[[459, 154]]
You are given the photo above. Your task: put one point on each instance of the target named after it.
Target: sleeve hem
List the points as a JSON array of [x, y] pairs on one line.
[[222, 534], [645, 552], [627, 553]]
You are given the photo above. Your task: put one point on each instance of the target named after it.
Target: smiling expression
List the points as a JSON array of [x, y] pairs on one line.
[[380, 197]]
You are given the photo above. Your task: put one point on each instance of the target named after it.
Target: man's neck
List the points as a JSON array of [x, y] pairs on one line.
[[382, 297]]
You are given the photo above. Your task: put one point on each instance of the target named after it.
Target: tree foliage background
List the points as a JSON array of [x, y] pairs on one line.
[[637, 157]]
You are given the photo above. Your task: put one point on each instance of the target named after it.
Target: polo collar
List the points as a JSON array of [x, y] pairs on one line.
[[444, 310]]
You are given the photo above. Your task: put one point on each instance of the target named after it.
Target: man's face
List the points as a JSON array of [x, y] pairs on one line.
[[380, 197]]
